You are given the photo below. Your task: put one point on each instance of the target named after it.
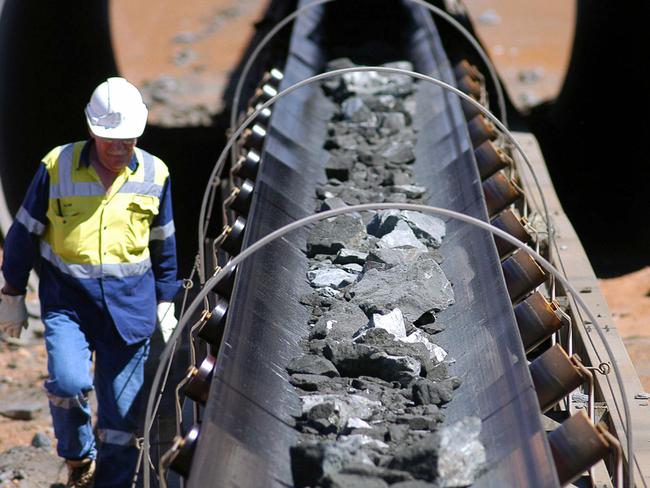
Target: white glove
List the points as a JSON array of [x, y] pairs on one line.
[[13, 314], [166, 318]]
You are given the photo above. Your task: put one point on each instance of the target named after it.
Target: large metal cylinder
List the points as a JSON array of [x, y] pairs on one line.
[[555, 375], [576, 446], [522, 275], [514, 225], [537, 320]]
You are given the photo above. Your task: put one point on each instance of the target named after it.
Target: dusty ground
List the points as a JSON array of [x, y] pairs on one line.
[[183, 68]]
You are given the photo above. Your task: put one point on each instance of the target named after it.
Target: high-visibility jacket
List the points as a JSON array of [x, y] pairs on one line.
[[114, 250]]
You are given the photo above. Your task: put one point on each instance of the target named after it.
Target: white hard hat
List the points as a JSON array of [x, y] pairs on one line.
[[116, 110]]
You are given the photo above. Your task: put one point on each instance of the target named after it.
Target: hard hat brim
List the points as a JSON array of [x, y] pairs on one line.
[[127, 129]]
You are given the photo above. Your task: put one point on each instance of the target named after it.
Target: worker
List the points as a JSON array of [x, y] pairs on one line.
[[100, 214]]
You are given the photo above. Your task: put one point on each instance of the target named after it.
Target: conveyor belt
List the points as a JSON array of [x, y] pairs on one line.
[[247, 424]]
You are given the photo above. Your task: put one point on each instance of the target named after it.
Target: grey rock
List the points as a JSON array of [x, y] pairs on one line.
[[21, 411], [489, 17], [437, 372], [307, 462], [342, 321], [414, 288], [350, 256], [330, 277], [426, 391], [328, 293], [419, 459], [340, 480], [396, 256], [392, 322], [355, 360], [328, 191], [41, 439], [436, 353], [383, 340], [414, 484], [397, 152], [528, 76], [383, 222], [331, 235], [312, 364], [346, 406], [461, 456], [353, 268], [432, 229], [317, 382], [391, 476], [353, 109], [418, 422], [325, 418], [402, 236], [411, 191], [332, 203], [365, 382], [394, 121], [397, 432], [396, 198], [339, 167]]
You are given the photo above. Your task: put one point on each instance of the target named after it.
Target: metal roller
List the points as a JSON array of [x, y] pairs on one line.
[[242, 200], [262, 94], [272, 77], [233, 241], [514, 225], [465, 68], [500, 193], [490, 158], [522, 275], [247, 166], [481, 130], [576, 446], [179, 457], [225, 286], [214, 322], [471, 87], [555, 375], [253, 138], [537, 320], [198, 386]]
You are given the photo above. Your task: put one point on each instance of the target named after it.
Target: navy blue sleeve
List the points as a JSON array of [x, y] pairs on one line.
[[162, 247], [21, 243]]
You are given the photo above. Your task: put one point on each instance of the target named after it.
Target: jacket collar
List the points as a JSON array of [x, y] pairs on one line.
[[84, 157]]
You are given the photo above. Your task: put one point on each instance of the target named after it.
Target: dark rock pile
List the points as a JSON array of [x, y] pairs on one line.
[[373, 383]]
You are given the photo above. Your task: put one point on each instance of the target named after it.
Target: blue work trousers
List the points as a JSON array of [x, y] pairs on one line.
[[71, 338]]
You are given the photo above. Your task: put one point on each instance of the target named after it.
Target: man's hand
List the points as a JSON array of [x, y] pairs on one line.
[[166, 318], [13, 314]]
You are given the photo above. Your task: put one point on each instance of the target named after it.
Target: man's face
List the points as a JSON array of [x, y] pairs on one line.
[[114, 154]]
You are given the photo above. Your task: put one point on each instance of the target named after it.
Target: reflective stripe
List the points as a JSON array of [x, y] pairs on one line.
[[119, 437], [82, 189], [65, 173], [147, 186], [86, 271], [141, 188], [32, 225], [67, 188], [163, 232], [66, 402]]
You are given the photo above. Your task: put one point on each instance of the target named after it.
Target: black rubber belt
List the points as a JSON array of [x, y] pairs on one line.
[[247, 428]]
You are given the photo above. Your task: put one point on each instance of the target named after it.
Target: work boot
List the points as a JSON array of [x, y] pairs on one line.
[[81, 473]]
